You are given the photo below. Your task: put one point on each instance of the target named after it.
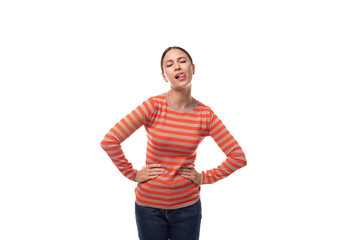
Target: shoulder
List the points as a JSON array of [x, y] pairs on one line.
[[204, 108], [156, 100]]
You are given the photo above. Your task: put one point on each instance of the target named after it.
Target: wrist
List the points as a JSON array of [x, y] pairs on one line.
[[200, 178], [134, 178]]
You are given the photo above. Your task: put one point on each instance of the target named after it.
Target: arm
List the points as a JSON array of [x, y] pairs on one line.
[[235, 157], [111, 143]]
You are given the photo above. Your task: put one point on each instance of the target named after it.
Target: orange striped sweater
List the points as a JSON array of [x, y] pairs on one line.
[[173, 137]]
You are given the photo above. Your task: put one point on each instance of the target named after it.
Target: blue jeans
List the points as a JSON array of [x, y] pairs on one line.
[[162, 224]]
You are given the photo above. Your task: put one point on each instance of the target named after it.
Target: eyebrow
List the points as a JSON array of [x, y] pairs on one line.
[[170, 60]]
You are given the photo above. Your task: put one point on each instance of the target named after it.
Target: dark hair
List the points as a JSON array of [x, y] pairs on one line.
[[168, 49]]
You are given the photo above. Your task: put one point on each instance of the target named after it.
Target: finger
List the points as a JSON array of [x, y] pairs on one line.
[[190, 178], [153, 175], [157, 171], [184, 176], [187, 175], [153, 166], [185, 170], [187, 167]]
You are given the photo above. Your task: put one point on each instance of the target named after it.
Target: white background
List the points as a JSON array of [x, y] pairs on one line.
[[281, 75]]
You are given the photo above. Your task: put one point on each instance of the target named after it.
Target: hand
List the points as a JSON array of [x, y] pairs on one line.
[[151, 171], [189, 172]]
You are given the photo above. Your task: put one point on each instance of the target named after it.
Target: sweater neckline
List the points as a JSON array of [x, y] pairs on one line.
[[185, 110]]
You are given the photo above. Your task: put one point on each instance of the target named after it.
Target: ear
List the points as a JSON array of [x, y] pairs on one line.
[[164, 77], [193, 68]]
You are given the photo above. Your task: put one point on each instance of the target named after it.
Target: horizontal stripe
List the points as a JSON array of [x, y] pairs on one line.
[[167, 196], [168, 187], [172, 140], [175, 205]]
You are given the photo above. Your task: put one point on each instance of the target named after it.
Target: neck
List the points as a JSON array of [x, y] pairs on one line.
[[181, 99]]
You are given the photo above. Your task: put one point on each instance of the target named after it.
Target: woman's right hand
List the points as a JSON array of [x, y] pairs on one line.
[[151, 171]]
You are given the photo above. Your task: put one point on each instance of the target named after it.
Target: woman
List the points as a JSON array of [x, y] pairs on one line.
[[167, 194]]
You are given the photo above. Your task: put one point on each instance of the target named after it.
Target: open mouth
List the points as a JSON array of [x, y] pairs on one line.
[[180, 76]]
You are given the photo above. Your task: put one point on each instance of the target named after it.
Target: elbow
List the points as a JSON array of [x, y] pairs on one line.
[[241, 162], [103, 144], [244, 162], [239, 157]]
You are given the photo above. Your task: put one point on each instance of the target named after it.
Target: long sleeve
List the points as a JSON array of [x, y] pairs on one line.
[[235, 157], [111, 143]]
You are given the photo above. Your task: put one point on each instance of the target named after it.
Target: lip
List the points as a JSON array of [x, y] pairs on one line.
[[182, 77]]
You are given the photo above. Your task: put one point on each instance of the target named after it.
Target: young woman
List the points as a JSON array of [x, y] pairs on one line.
[[167, 194]]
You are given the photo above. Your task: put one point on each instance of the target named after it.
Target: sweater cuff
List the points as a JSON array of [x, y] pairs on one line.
[[202, 178], [134, 176]]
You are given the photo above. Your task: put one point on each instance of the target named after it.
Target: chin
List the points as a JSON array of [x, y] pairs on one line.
[[181, 87]]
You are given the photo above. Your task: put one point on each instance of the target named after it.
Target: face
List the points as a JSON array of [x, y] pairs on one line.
[[178, 69]]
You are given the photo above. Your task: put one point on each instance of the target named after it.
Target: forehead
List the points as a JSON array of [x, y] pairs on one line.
[[174, 54]]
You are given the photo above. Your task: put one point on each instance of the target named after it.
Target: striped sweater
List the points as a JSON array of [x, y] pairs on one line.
[[173, 137]]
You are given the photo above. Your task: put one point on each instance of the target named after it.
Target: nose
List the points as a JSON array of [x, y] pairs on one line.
[[177, 66]]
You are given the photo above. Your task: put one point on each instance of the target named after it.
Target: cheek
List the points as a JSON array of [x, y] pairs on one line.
[[166, 77], [191, 72], [190, 69]]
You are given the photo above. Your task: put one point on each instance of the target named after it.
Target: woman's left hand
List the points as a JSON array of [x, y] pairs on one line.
[[189, 172]]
